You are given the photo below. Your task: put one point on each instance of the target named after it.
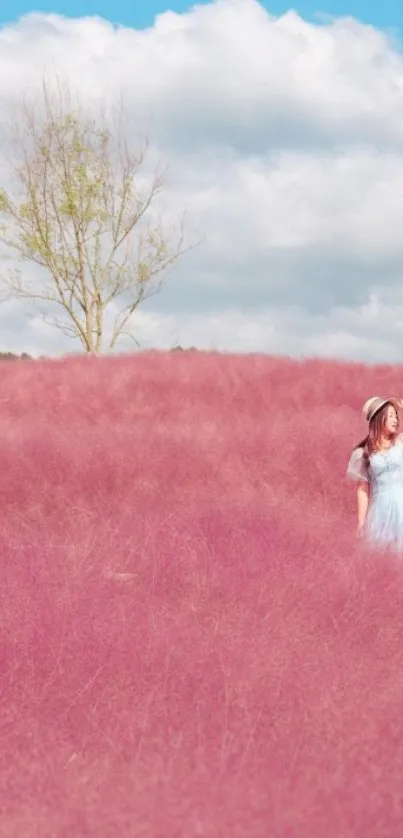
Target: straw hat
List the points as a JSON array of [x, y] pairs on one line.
[[375, 404]]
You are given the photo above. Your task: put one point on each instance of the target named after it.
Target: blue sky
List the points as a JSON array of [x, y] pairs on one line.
[[386, 14]]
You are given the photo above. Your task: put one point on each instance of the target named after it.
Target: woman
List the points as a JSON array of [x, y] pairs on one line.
[[376, 464]]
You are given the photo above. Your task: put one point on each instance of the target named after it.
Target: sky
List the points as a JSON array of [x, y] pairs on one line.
[[284, 144], [141, 13]]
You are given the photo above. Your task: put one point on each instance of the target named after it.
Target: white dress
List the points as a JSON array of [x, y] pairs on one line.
[[384, 520]]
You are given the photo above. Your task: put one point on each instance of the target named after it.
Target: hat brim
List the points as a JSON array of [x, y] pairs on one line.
[[397, 404]]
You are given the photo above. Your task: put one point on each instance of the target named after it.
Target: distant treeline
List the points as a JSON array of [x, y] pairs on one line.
[[11, 356]]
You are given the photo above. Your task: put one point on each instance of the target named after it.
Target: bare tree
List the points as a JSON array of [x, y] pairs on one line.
[[83, 208]]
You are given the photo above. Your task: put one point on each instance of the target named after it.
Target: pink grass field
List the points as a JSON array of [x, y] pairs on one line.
[[192, 641]]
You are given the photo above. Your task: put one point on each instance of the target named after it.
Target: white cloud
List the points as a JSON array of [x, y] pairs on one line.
[[371, 330], [285, 143]]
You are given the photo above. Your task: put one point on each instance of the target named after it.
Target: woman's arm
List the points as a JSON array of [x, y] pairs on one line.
[[356, 471], [362, 503]]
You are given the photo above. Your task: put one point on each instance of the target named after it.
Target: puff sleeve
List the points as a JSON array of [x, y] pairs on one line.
[[356, 468]]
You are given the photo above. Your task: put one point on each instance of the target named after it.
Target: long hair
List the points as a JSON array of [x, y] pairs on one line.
[[372, 441]]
